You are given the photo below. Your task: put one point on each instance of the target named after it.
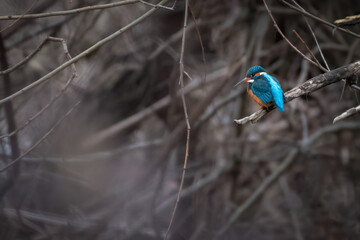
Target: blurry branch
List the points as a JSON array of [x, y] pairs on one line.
[[319, 19], [27, 58], [14, 22], [10, 122], [197, 186], [174, 37], [143, 114], [188, 128], [99, 156], [51, 25], [259, 191], [314, 36], [288, 41], [81, 55], [219, 104], [349, 20], [74, 75], [49, 104], [302, 148], [307, 47], [310, 86], [348, 113], [294, 210], [68, 12], [7, 166], [158, 5]]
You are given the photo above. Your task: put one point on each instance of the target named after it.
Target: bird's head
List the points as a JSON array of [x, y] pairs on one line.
[[251, 74]]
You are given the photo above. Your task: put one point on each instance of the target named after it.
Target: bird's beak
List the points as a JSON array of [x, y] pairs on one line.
[[245, 80]]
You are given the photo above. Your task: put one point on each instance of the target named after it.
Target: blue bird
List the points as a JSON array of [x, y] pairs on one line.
[[264, 89]]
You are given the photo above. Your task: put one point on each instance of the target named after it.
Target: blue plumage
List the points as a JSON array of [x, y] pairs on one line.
[[265, 87], [276, 91]]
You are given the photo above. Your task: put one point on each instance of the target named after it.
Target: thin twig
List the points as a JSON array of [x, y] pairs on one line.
[[181, 79], [14, 22], [68, 12], [320, 20], [288, 41], [41, 139], [307, 47], [10, 122], [156, 6], [314, 36], [73, 76], [81, 55], [49, 104], [27, 58]]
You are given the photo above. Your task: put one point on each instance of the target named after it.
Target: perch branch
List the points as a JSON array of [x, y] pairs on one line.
[[309, 86]]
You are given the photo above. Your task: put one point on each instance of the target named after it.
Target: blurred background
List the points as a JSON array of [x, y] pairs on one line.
[[99, 153]]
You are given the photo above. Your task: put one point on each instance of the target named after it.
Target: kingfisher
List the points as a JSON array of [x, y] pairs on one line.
[[263, 88]]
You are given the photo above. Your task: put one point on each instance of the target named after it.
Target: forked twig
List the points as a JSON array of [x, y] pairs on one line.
[[288, 41]]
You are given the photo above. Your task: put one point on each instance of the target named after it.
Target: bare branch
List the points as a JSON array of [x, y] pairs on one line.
[[188, 128], [143, 114], [348, 113], [40, 140], [68, 12], [314, 36], [307, 47], [288, 41], [81, 55], [320, 20], [290, 158]]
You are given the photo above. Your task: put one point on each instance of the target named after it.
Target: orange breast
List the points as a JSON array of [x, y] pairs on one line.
[[258, 101]]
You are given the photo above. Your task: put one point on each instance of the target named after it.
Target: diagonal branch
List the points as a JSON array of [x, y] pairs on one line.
[[319, 19], [348, 113], [308, 87], [82, 54], [68, 12], [302, 147]]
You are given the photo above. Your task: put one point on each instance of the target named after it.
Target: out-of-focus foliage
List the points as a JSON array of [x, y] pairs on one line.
[[78, 184]]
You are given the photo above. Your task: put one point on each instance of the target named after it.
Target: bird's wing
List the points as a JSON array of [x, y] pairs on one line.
[[262, 89], [276, 91]]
